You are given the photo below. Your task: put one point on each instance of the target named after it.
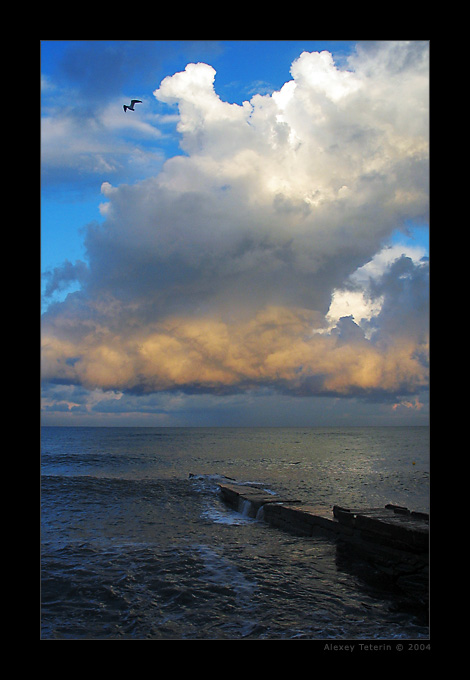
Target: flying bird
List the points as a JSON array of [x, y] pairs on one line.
[[131, 107]]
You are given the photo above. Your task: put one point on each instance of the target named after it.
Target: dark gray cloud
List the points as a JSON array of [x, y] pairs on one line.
[[404, 288], [60, 278]]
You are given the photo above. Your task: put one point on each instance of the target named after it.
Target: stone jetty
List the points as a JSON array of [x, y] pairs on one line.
[[393, 538]]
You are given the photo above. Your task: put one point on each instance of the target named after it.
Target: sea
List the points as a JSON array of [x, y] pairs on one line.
[[136, 543]]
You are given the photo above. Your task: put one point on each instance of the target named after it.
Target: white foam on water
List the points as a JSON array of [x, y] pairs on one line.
[[245, 508], [220, 570], [260, 514], [229, 517]]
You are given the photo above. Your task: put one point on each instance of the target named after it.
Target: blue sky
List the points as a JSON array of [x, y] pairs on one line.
[[262, 189]]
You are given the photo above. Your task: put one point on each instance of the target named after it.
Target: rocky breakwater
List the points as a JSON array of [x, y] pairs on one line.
[[393, 539]]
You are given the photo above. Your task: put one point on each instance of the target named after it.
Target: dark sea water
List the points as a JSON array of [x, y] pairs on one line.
[[133, 547]]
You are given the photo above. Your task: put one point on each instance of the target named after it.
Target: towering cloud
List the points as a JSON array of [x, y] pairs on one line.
[[218, 273]]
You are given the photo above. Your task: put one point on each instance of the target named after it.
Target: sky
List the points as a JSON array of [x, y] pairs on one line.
[[248, 247]]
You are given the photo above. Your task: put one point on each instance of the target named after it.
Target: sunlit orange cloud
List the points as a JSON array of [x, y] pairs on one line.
[[416, 404], [277, 347]]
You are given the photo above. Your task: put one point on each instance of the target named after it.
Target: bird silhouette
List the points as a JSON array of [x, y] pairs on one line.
[[131, 107]]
